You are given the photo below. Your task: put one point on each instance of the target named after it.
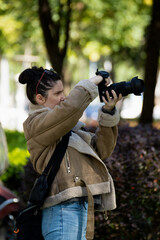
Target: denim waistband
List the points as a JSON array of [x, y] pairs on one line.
[[97, 199], [78, 199]]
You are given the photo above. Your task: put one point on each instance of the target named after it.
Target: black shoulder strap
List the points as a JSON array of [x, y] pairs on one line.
[[55, 161]]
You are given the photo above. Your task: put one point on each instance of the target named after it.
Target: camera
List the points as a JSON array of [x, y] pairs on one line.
[[135, 86]]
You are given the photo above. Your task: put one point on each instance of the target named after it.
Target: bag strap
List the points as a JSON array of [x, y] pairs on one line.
[[56, 159]]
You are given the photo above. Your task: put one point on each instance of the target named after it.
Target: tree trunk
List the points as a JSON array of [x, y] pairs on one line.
[[151, 67], [52, 32]]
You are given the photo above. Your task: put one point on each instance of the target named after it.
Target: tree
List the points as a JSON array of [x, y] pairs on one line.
[[87, 29], [152, 62], [55, 31], [91, 29]]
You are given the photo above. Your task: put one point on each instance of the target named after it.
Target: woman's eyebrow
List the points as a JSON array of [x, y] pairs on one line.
[[59, 91]]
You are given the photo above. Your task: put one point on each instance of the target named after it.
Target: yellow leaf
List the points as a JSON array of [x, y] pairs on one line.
[[148, 2]]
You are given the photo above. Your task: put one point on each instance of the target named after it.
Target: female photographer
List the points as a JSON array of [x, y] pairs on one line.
[[82, 183]]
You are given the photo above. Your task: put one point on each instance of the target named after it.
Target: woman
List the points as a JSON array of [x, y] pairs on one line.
[[83, 180]]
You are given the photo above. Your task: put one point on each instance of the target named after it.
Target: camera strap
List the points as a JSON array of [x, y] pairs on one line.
[[43, 183], [56, 159]]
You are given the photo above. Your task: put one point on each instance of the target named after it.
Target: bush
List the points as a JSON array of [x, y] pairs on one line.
[[15, 139], [16, 175], [17, 153], [135, 168]]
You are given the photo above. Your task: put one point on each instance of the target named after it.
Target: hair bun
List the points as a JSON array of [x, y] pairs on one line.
[[27, 76]]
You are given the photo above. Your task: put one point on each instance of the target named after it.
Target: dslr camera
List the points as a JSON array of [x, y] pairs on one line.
[[135, 86]]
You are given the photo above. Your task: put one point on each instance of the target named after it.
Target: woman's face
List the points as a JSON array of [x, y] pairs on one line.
[[55, 95]]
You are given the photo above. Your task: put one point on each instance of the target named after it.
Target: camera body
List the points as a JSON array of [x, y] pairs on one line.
[[135, 86]]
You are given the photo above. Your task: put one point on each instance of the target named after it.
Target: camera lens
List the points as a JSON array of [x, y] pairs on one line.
[[135, 86]]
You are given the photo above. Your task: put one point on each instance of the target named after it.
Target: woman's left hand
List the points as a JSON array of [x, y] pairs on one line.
[[110, 104]]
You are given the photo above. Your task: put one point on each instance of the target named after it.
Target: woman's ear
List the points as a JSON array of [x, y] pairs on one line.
[[40, 99]]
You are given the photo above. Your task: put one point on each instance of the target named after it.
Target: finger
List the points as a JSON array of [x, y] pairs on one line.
[[114, 95], [108, 81], [106, 99], [120, 97], [108, 96], [103, 98]]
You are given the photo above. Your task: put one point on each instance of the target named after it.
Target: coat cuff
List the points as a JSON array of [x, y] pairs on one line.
[[89, 86], [108, 120]]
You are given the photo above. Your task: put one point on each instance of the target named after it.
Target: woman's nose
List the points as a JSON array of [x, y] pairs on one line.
[[62, 97]]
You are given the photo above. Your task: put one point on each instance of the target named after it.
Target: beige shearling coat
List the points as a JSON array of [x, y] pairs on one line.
[[84, 157]]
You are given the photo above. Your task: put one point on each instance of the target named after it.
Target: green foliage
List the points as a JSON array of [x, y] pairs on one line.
[[12, 176], [19, 26], [116, 26], [18, 154], [99, 30], [109, 30], [15, 139], [119, 25]]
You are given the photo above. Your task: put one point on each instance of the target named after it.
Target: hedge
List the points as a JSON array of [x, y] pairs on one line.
[[17, 154], [135, 168]]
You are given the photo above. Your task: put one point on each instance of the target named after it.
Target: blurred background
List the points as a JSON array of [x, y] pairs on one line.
[[75, 38]]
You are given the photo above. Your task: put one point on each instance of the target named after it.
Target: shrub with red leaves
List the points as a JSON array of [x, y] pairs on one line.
[[135, 168]]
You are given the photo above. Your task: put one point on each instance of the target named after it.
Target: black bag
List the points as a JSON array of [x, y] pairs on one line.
[[28, 222]]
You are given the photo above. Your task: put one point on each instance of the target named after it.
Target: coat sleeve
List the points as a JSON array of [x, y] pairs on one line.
[[49, 126], [105, 137]]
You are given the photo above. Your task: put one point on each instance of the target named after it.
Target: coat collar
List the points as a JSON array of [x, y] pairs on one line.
[[33, 108]]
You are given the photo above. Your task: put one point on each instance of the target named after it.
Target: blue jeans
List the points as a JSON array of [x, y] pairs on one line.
[[65, 221]]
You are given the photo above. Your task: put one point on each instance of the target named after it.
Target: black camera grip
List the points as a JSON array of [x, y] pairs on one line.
[[101, 85], [101, 89], [103, 74]]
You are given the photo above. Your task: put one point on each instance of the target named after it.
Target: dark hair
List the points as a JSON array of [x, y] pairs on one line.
[[31, 77]]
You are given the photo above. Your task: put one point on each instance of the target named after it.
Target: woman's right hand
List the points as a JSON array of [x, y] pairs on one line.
[[97, 79]]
